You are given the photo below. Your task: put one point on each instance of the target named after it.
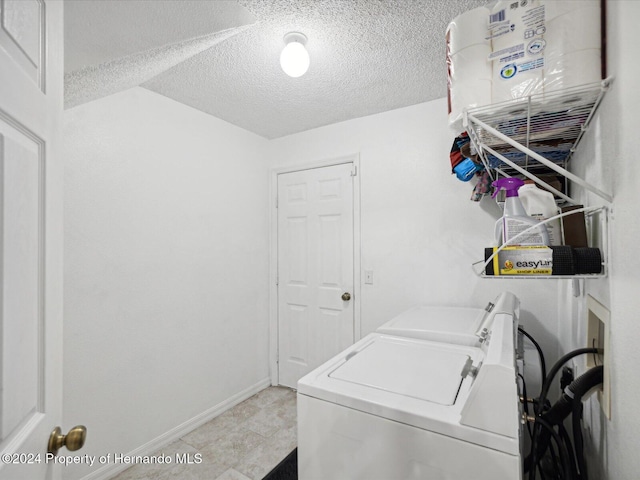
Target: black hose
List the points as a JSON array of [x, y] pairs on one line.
[[531, 462], [572, 458], [573, 394], [543, 366], [555, 369], [576, 415], [579, 387], [571, 397], [557, 464], [562, 450]]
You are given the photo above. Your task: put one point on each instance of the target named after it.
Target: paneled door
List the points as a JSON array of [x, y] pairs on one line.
[[315, 268], [31, 90]]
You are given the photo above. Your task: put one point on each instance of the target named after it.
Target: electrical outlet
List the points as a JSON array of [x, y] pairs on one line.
[[598, 319]]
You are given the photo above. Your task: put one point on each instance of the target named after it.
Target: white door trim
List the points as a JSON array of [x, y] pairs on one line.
[[273, 251]]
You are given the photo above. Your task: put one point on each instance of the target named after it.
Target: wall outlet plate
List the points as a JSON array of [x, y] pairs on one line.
[[598, 321]]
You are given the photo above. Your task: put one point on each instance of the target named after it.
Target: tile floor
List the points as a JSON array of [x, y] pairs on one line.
[[244, 443]]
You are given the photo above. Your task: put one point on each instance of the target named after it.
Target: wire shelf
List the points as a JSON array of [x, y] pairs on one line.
[[550, 124], [597, 226]]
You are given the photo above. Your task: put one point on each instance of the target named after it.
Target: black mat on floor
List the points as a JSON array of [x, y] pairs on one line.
[[287, 469]]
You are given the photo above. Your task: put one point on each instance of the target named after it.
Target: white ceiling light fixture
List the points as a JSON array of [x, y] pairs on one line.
[[294, 58]]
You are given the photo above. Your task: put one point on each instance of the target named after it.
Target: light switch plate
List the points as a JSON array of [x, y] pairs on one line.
[[368, 277]]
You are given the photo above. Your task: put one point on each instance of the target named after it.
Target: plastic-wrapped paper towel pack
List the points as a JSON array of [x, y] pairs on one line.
[[469, 69], [512, 49]]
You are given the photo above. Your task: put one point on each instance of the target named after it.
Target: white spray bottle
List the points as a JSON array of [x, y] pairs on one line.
[[515, 218]]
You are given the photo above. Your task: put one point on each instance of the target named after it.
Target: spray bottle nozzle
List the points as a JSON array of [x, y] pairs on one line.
[[510, 184]]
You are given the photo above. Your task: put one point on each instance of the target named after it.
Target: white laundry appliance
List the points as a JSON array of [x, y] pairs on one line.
[[392, 407], [457, 325], [465, 326]]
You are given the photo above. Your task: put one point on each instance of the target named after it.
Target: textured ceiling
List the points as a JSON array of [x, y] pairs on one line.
[[113, 45], [367, 56]]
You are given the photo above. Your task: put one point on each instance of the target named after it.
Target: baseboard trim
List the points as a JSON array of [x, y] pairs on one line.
[[109, 471]]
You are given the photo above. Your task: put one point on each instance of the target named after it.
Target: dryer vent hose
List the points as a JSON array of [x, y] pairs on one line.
[[569, 403]]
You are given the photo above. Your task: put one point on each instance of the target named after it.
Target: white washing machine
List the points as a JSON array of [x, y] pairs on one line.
[[392, 407], [465, 326]]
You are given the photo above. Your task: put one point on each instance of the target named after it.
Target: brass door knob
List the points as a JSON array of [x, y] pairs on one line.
[[346, 296], [74, 440]]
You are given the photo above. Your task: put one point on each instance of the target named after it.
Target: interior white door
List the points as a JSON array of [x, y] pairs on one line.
[[31, 96], [315, 268]]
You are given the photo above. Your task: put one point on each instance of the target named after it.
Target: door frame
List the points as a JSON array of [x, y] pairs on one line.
[[353, 159]]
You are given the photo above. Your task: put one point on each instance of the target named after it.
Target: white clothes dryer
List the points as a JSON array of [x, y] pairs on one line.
[[457, 325], [392, 408]]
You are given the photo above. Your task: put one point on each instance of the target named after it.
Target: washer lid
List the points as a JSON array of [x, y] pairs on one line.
[[442, 324], [423, 371]]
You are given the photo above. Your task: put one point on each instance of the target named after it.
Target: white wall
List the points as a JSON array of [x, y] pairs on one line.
[[608, 158], [166, 267], [420, 232]]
